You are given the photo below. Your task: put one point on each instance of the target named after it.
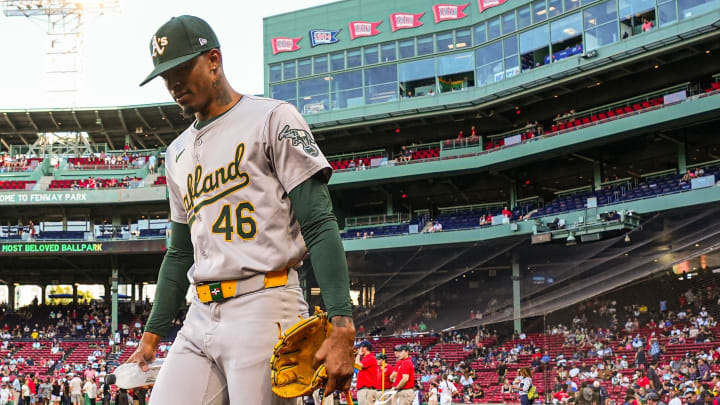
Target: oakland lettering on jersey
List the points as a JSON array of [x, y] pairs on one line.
[[199, 185]]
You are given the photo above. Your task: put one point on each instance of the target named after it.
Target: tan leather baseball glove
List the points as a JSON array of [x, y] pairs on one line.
[[292, 373]]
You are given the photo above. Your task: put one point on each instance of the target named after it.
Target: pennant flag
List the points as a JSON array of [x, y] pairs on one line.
[[445, 12], [323, 37], [485, 4], [400, 21], [285, 44], [363, 29]]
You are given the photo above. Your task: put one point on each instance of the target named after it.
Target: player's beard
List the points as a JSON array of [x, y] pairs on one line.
[[188, 111]]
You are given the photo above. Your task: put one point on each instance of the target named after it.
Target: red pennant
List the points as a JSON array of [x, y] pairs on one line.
[[399, 21], [485, 4], [445, 12], [363, 29], [285, 44]]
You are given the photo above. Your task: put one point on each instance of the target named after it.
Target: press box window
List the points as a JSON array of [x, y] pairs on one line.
[[304, 67], [289, 70], [275, 72], [320, 64]]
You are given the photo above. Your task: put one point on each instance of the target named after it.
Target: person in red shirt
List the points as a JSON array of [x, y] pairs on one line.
[[383, 380], [367, 377], [404, 376], [642, 381], [506, 212]]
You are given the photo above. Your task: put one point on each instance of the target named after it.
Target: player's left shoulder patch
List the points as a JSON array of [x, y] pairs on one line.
[[299, 137]]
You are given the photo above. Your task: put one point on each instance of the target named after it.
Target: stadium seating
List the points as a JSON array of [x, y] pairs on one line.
[[667, 184], [85, 183], [347, 163], [160, 181], [16, 184], [99, 163]]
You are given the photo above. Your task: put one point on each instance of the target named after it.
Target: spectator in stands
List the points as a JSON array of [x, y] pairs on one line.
[[646, 26], [4, 394], [522, 384], [76, 390]]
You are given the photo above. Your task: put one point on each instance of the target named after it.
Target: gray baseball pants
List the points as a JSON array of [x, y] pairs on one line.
[[221, 355]]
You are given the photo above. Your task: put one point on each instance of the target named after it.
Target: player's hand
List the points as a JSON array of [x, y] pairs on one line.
[[145, 352], [336, 353]]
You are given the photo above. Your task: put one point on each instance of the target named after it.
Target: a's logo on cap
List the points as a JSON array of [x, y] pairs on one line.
[[203, 41], [158, 45]]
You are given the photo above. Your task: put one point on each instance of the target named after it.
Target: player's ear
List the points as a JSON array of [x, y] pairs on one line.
[[214, 59]]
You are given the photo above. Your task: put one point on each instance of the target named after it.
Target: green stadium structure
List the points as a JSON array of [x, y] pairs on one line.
[[519, 156]]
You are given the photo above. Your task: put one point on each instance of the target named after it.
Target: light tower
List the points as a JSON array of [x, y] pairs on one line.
[[66, 22]]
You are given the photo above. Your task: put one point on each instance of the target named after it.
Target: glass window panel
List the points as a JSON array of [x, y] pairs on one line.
[[456, 71], [305, 67], [419, 69], [275, 72], [566, 37], [425, 45], [417, 78], [489, 60], [313, 95], [371, 54], [571, 4], [600, 14], [458, 62], [444, 41], [667, 13], [479, 33], [406, 48], [510, 49], [381, 84], [286, 92], [493, 28], [337, 61], [289, 70], [554, 7], [347, 90], [508, 22], [388, 52], [534, 50], [636, 16], [354, 58], [539, 11], [692, 8], [320, 64], [463, 38], [523, 17], [601, 27]]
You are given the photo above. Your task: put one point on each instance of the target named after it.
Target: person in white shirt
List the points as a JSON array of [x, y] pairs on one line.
[[523, 383], [447, 390], [4, 395], [674, 398], [90, 388], [76, 395]]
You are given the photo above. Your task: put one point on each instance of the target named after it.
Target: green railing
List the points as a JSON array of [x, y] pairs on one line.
[[386, 219]]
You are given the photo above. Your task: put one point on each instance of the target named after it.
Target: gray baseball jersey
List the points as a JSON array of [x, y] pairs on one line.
[[229, 181]]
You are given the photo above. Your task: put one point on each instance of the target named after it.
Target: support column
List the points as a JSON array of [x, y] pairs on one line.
[[43, 288], [108, 295], [389, 205], [517, 324], [682, 158], [128, 139], [132, 298], [75, 294], [513, 196], [11, 297], [597, 175], [114, 299], [141, 287]]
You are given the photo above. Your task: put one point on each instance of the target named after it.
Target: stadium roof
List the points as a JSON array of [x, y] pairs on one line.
[[149, 125]]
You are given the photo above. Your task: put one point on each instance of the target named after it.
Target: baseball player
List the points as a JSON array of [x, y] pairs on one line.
[[403, 376], [248, 200], [368, 375]]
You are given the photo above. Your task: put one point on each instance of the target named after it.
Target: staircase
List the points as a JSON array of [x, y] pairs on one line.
[[43, 183], [150, 179]]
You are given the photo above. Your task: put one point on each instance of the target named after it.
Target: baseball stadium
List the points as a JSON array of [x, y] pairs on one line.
[[527, 194]]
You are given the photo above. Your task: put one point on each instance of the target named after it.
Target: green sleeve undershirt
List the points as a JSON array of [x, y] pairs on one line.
[[313, 210], [172, 284], [319, 227]]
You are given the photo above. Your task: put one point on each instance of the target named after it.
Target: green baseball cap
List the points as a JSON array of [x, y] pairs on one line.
[[179, 40]]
